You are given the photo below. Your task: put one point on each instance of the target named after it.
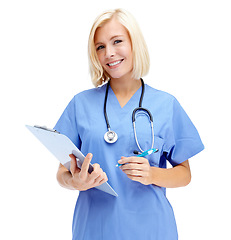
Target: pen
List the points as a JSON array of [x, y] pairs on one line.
[[143, 154]]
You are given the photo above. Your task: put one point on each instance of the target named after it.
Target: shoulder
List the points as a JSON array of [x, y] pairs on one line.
[[90, 94], [159, 95], [166, 103]]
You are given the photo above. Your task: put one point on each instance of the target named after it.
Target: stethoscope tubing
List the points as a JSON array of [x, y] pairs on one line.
[[105, 107], [140, 108], [133, 115]]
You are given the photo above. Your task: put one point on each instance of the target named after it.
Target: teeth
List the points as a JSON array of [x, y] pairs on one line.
[[114, 63]]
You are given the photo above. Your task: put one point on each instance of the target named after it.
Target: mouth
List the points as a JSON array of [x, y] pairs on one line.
[[115, 63]]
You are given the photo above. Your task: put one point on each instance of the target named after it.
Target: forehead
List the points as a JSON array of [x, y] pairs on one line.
[[109, 30]]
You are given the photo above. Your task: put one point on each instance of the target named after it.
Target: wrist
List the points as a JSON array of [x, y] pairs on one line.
[[152, 176], [67, 180]]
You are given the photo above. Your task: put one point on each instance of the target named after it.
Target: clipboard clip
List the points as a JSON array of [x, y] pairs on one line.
[[45, 128]]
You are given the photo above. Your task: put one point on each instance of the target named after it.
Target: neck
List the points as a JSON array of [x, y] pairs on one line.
[[125, 86]]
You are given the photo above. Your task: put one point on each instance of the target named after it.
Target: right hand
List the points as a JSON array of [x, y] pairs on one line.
[[83, 180]]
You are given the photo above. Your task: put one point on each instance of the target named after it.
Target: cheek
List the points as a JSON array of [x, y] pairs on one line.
[[100, 58], [128, 54]]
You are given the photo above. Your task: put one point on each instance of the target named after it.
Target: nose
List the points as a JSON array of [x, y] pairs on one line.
[[109, 52]]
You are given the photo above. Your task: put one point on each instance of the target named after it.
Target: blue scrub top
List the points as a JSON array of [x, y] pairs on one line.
[[140, 211]]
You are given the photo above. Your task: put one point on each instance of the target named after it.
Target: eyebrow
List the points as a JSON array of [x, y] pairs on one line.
[[116, 36]]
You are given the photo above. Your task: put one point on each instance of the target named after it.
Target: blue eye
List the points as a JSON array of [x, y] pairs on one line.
[[117, 41], [99, 47]]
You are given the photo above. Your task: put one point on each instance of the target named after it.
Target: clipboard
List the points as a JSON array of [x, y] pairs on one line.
[[61, 146]]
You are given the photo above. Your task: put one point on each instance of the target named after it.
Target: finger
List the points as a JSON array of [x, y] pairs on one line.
[[96, 172], [132, 166], [100, 179], [74, 161], [135, 173], [73, 166], [72, 156], [138, 160], [104, 179], [96, 166], [86, 163]]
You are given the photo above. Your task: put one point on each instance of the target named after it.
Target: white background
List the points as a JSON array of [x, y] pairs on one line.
[[43, 64]]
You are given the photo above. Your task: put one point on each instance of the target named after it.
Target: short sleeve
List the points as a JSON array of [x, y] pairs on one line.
[[67, 124], [183, 140]]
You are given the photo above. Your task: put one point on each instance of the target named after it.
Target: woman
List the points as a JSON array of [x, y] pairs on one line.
[[118, 56]]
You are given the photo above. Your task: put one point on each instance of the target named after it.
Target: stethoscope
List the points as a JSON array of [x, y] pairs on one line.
[[111, 136]]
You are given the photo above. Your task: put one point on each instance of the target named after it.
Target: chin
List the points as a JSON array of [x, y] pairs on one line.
[[120, 75]]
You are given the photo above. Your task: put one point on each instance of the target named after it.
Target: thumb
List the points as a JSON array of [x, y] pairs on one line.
[[73, 166], [86, 163]]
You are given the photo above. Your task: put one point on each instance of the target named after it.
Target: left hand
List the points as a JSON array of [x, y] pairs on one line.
[[137, 169]]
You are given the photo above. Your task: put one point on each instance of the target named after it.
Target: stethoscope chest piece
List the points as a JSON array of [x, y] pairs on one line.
[[110, 137]]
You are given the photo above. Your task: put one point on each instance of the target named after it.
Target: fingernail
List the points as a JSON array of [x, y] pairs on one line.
[[120, 161]]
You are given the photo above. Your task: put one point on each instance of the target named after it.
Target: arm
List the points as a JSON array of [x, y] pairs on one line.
[[178, 176], [80, 179], [138, 169], [63, 177]]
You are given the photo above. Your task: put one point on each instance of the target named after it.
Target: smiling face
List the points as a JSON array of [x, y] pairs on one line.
[[114, 50]]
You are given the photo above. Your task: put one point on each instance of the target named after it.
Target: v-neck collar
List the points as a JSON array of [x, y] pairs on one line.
[[132, 102]]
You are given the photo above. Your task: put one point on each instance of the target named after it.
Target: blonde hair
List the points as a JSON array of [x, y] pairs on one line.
[[141, 61]]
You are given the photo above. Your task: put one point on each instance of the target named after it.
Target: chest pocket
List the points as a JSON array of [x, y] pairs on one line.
[[154, 159], [144, 137]]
